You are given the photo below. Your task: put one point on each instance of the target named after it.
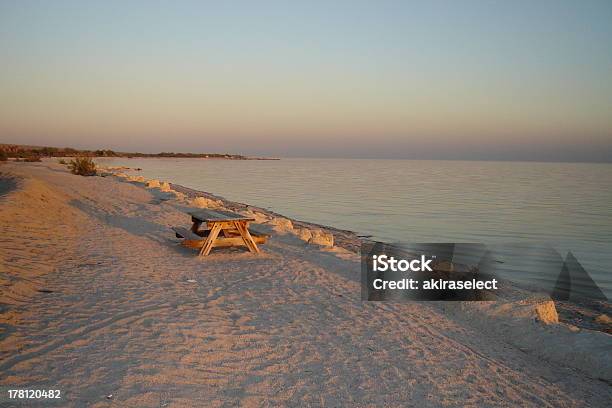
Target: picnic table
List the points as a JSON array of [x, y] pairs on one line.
[[219, 228]]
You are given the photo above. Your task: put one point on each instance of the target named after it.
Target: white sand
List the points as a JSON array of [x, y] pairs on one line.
[[284, 328]]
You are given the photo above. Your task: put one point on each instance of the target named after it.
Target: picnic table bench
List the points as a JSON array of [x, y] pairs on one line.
[[220, 228]]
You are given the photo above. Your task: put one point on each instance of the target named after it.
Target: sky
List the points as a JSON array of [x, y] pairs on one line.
[[483, 80]]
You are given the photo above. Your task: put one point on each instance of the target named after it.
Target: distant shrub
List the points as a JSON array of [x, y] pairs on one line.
[[47, 151], [3, 156], [83, 166], [62, 161], [32, 159]]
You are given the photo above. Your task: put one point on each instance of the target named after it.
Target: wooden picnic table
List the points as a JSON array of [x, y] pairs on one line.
[[234, 228]]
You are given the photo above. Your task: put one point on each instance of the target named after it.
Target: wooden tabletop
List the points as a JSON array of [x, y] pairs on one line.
[[206, 215]]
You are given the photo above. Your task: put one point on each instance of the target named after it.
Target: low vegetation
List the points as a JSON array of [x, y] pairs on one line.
[[24, 152], [31, 159], [82, 166]]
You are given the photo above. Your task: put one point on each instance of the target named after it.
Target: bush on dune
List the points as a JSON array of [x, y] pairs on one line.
[[83, 166]]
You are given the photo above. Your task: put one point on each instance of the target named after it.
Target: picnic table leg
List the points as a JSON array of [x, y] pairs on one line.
[[246, 236], [208, 244], [196, 226]]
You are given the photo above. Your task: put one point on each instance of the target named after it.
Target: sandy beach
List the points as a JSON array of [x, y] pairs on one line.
[[100, 301]]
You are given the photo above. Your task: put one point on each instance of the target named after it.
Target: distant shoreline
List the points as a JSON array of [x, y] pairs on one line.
[[33, 152]]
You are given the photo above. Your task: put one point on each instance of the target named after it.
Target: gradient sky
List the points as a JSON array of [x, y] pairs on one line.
[[525, 80]]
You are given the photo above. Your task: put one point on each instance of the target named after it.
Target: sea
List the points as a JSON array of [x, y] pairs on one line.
[[533, 213]]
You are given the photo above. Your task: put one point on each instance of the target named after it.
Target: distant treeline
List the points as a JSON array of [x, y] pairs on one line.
[[33, 152]]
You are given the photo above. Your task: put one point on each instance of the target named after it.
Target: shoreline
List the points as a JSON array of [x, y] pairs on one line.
[[580, 313], [346, 239]]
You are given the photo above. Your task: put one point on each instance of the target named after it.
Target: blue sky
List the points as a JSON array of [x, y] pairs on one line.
[[437, 79]]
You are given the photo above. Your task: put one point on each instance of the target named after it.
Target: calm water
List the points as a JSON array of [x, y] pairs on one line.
[[568, 206]]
